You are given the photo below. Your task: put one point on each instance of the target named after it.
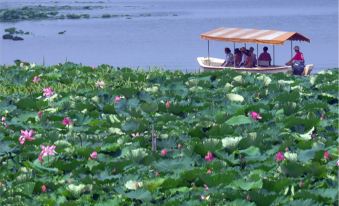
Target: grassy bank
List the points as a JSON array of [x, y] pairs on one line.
[[222, 138]]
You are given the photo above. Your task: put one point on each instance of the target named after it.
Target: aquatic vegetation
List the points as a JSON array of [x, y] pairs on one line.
[[11, 34], [77, 16], [106, 16], [27, 13], [43, 12], [166, 138], [63, 12]]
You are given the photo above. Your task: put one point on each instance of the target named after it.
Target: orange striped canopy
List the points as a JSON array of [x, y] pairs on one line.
[[253, 36]]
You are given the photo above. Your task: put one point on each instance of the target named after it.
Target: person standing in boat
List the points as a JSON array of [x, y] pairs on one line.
[[264, 59], [229, 60], [297, 62]]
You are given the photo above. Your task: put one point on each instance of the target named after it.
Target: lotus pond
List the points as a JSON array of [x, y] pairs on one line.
[[77, 135]]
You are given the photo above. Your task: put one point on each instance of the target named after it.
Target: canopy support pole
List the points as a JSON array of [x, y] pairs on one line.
[[234, 54], [291, 48], [208, 51], [273, 55], [257, 55], [245, 45], [208, 48]]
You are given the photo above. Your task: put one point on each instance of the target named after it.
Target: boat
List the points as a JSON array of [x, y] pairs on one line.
[[245, 35], [211, 63]]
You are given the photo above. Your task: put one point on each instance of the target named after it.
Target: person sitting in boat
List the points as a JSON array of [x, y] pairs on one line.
[[237, 57], [253, 56], [229, 61], [297, 62], [243, 56], [264, 59], [248, 59]]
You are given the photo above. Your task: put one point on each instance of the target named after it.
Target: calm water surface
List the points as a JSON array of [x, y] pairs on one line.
[[165, 33]]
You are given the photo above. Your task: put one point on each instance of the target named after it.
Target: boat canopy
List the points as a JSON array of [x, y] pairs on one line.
[[242, 35]]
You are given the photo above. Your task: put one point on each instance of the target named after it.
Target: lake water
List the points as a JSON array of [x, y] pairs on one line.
[[166, 33]]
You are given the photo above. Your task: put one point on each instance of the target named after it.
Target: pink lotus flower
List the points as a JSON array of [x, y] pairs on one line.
[[206, 187], [117, 99], [255, 116], [209, 157], [26, 135], [279, 156], [3, 121], [48, 92], [326, 155], [43, 188], [36, 79], [168, 104], [67, 121], [100, 84], [163, 152], [94, 155], [338, 163], [46, 151], [40, 114]]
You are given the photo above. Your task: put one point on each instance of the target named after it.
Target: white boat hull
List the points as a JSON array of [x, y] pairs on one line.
[[211, 63]]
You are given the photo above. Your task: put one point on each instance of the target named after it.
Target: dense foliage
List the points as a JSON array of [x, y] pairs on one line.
[[77, 135]]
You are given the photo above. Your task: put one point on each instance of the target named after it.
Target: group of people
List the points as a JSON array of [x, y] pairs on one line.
[[247, 58]]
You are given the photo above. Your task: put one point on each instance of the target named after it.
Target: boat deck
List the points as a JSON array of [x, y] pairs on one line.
[[214, 64]]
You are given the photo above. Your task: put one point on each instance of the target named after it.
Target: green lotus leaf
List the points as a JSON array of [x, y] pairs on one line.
[[267, 80], [239, 202], [235, 97], [77, 190], [112, 202], [136, 154], [109, 109], [149, 107], [91, 163], [230, 142], [239, 120], [218, 179], [131, 126], [291, 156], [154, 184], [176, 166], [302, 202], [293, 169], [115, 131], [133, 185], [140, 194], [246, 185], [37, 166], [31, 104]]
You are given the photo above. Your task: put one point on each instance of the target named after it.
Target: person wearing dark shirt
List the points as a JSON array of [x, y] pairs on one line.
[[229, 60], [264, 59]]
